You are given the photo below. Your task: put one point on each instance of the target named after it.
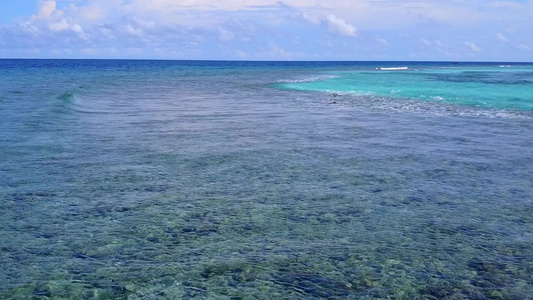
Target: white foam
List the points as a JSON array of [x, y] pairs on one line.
[[350, 93], [309, 79], [425, 107], [393, 69]]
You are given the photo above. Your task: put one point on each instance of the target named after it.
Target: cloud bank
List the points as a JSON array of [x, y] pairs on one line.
[[288, 29]]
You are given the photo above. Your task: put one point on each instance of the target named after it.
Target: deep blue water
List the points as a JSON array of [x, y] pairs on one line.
[[265, 180]]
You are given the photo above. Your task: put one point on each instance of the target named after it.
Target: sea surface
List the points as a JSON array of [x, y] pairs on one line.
[[123, 179]]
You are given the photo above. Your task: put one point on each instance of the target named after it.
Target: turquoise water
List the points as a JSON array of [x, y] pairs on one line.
[[265, 180], [497, 86]]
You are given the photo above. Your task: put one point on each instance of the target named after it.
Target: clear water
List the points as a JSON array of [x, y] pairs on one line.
[[259, 180], [488, 86]]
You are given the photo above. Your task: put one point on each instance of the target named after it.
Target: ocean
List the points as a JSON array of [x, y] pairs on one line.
[[132, 179]]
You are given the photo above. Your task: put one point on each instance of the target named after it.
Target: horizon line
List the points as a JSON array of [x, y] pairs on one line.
[[259, 60]]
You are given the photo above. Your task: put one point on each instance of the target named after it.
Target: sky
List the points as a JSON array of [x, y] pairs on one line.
[[421, 30]]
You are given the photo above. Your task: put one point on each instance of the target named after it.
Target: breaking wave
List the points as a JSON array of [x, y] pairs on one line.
[[393, 69], [309, 79], [75, 101]]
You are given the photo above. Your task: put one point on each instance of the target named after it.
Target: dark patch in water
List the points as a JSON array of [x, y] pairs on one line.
[[44, 235], [313, 285], [67, 96], [201, 230], [250, 227], [153, 239], [218, 270], [156, 188], [42, 293], [20, 197], [105, 210], [515, 78], [485, 266], [16, 92], [83, 256]]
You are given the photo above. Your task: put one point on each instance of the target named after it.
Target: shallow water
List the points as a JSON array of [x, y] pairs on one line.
[[216, 180], [487, 85]]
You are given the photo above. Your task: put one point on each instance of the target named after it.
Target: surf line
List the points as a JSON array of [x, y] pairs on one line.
[[392, 69]]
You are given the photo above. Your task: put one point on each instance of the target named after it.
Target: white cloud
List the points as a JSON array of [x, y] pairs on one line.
[[502, 38], [91, 51], [225, 35], [63, 24], [339, 26], [215, 28], [382, 41], [313, 19], [425, 42], [334, 24], [133, 31], [277, 52], [370, 14], [169, 7], [46, 8], [440, 44], [241, 54], [472, 46], [90, 13]]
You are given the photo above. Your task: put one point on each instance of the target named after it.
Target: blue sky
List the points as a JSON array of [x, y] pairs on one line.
[[452, 30]]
